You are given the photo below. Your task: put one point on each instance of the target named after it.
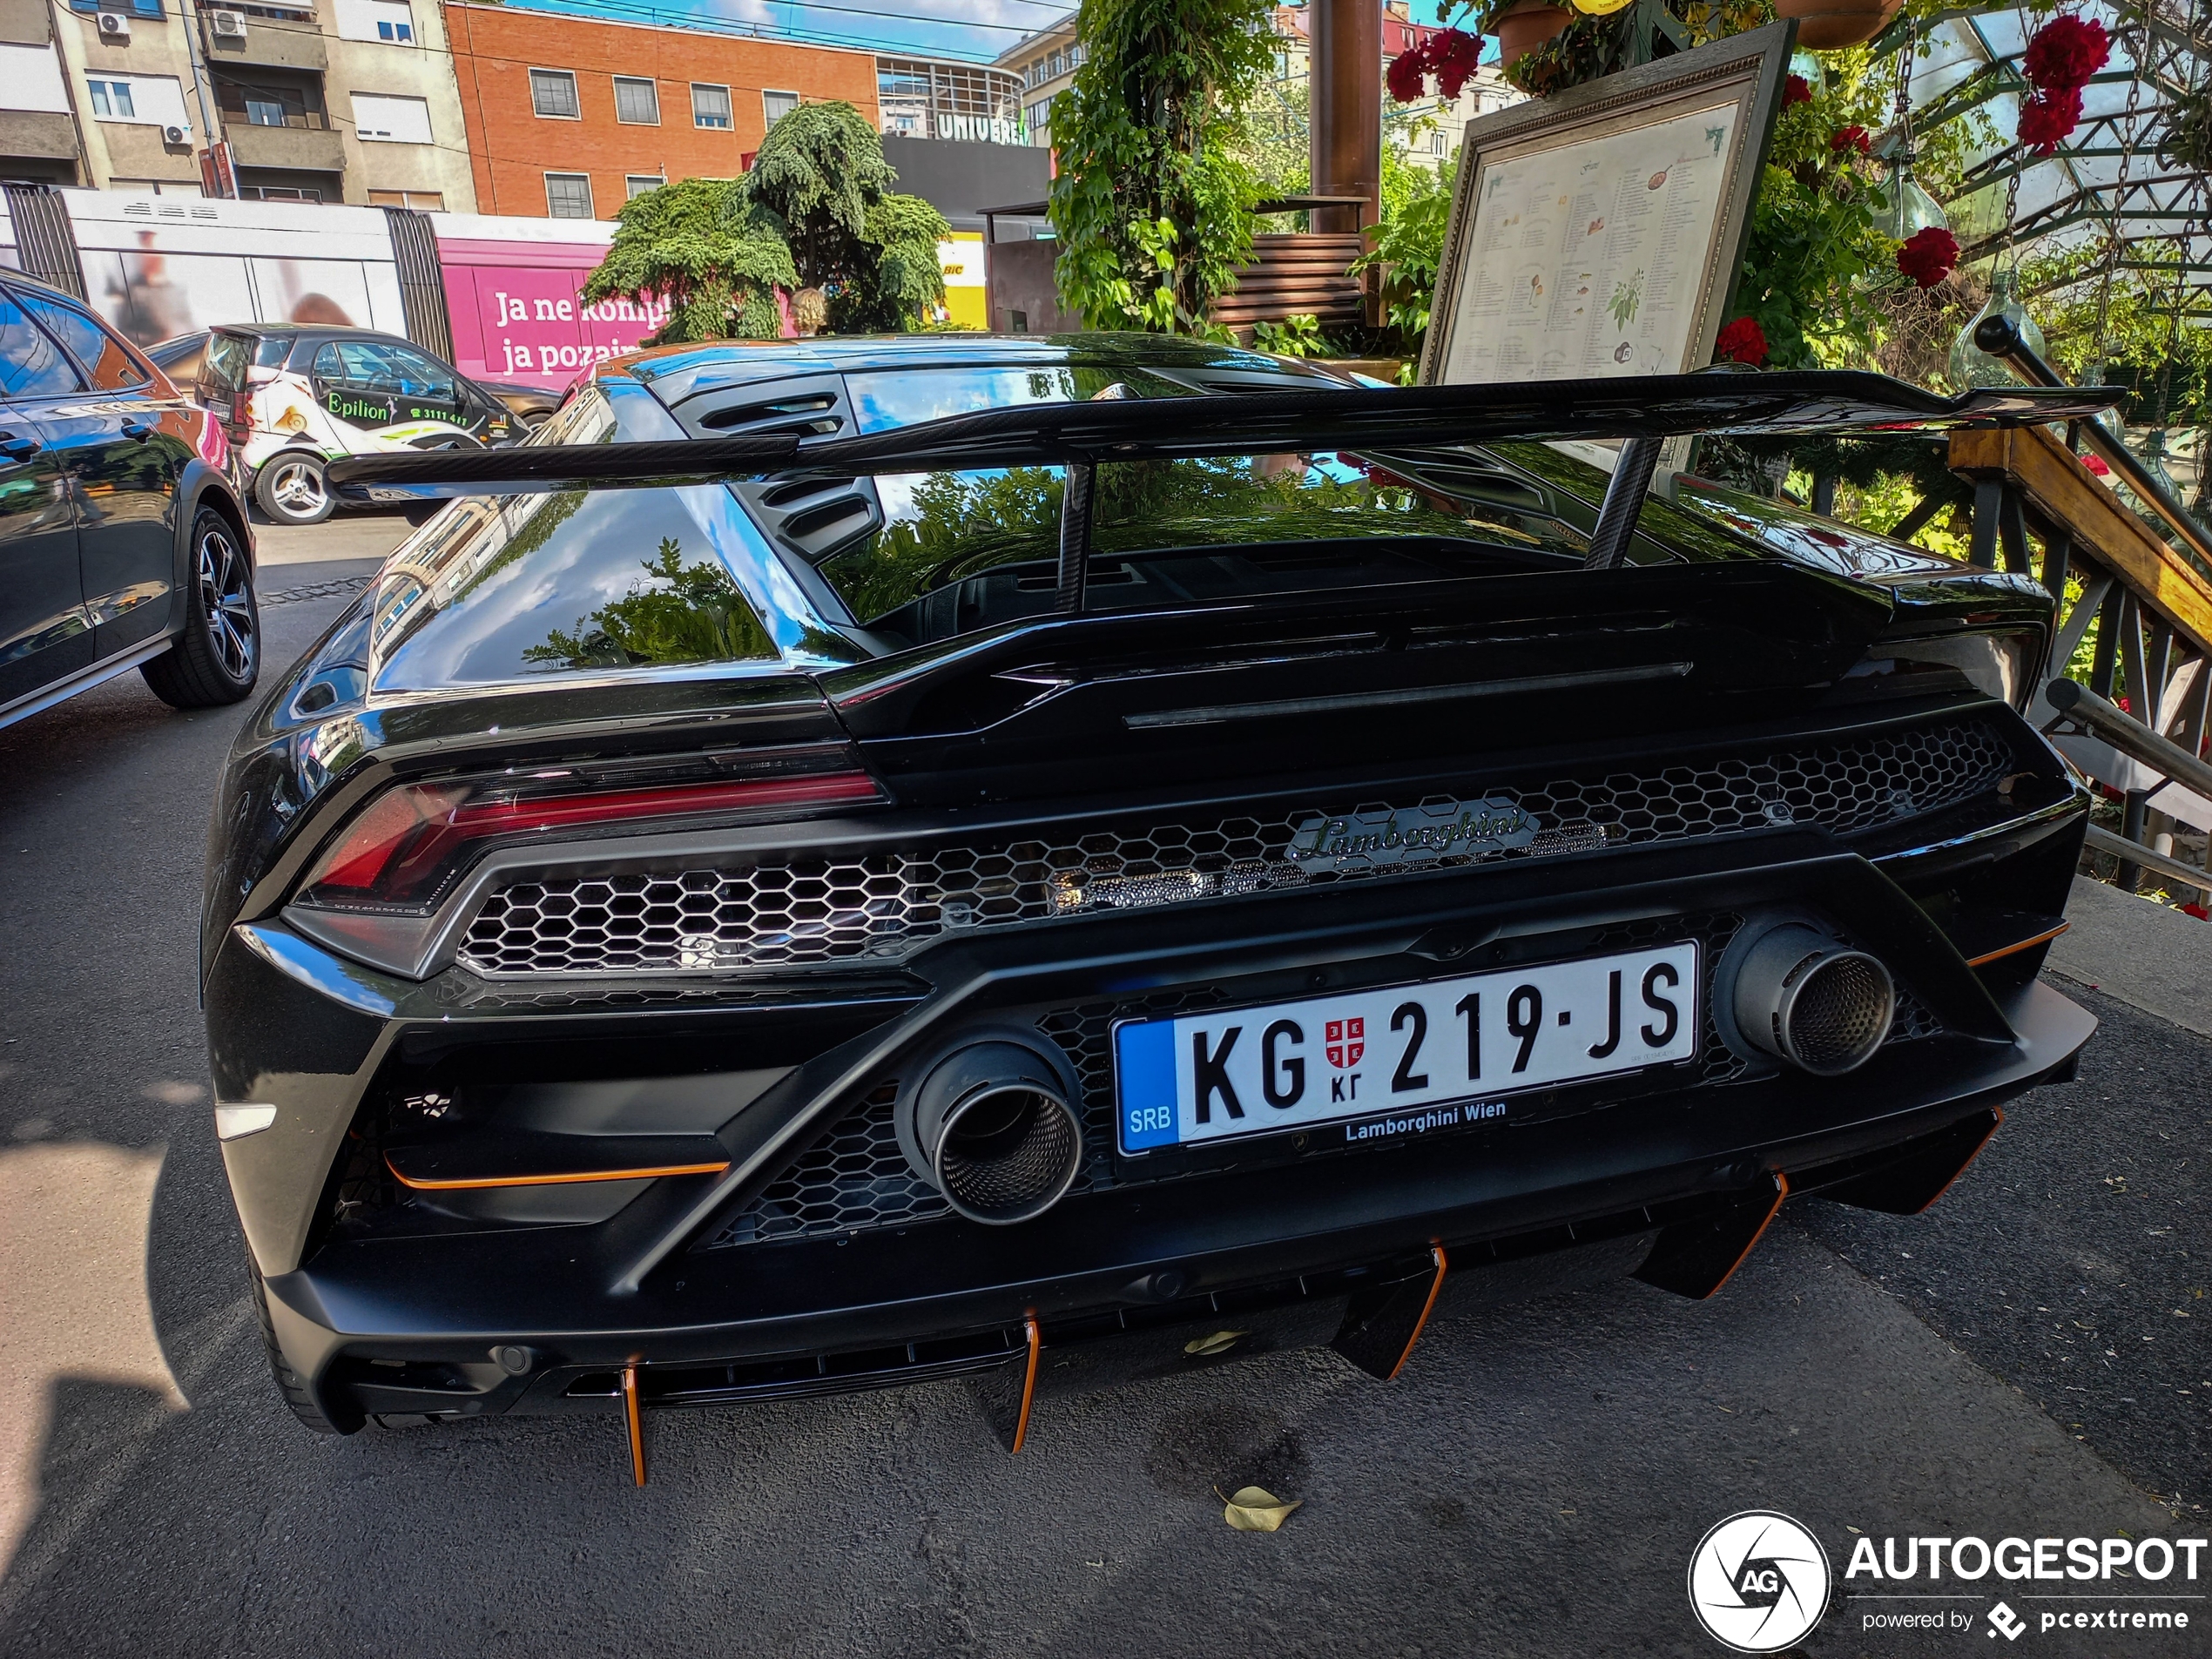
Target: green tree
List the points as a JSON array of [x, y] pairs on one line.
[[702, 246], [820, 175], [1153, 203]]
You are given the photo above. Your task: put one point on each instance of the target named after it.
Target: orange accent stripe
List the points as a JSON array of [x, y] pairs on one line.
[[1782, 1181], [1029, 1384], [2025, 944], [1435, 1285], [575, 1178], [637, 1426], [1970, 1158]]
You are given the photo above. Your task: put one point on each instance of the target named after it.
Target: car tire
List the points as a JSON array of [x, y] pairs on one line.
[[216, 656], [534, 419], [296, 1392], [291, 489]]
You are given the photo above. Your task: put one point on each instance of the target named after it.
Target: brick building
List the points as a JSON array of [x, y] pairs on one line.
[[571, 117]]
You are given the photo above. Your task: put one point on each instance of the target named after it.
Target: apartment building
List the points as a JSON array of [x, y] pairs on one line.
[[571, 117], [310, 100], [1046, 63]]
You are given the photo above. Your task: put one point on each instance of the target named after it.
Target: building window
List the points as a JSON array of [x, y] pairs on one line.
[[112, 100], [553, 95], [917, 99], [271, 101], [775, 106], [423, 201], [637, 102], [389, 21], [380, 119], [638, 182], [136, 8], [568, 195], [710, 107]]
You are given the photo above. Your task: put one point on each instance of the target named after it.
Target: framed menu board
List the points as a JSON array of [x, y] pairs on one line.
[[1599, 232]]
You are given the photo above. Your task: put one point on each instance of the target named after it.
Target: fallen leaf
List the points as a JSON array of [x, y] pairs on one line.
[[1220, 1342], [1257, 1509]]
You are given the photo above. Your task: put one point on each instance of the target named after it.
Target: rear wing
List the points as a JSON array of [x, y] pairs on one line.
[[1644, 410]]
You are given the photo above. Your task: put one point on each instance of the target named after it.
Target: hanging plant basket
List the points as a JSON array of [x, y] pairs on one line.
[[1529, 24], [2186, 141], [1830, 25]]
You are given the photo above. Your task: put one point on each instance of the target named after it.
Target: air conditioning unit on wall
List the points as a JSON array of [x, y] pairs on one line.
[[175, 135], [114, 26], [227, 25]]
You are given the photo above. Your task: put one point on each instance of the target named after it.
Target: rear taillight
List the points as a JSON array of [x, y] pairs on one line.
[[375, 893]]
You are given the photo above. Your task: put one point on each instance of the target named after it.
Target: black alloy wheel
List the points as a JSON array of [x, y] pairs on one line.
[[217, 656]]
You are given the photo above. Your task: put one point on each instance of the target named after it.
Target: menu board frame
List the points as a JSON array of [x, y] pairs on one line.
[[1745, 71]]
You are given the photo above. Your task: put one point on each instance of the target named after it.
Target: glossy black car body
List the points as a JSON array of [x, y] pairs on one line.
[[614, 1103], [121, 544]]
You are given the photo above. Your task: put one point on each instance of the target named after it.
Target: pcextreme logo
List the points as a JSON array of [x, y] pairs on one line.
[[1758, 1582]]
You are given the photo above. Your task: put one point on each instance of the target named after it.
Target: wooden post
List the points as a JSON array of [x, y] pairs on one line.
[[1345, 114]]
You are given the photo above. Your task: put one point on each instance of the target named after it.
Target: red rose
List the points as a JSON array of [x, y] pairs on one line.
[[2047, 118], [2065, 53], [1741, 341], [1928, 256], [1795, 91], [1851, 138], [1453, 54], [1405, 74], [2096, 464]]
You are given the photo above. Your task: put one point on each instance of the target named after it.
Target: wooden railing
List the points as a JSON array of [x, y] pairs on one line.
[[2150, 597]]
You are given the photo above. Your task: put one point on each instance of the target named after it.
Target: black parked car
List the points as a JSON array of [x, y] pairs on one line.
[[121, 543], [1101, 836]]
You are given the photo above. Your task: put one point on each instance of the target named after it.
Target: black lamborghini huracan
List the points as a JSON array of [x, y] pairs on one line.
[[843, 863]]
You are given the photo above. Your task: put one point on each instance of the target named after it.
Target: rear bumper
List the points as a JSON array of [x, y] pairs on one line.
[[637, 1290]]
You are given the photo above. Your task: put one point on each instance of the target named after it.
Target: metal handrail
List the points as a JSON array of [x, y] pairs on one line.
[[2000, 338], [2128, 735]]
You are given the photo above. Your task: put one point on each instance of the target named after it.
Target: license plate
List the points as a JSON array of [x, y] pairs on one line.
[[1415, 1056]]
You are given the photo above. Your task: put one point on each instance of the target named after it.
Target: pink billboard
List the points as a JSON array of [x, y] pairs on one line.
[[517, 314]]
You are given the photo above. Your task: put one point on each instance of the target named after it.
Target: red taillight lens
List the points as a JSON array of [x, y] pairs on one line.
[[403, 851]]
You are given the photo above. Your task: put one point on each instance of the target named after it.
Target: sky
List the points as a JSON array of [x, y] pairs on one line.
[[975, 30]]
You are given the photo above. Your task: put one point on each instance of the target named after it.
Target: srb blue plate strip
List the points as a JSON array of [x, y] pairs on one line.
[[1145, 1067]]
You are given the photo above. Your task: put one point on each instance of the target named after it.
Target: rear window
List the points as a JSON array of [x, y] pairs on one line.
[[955, 551], [107, 359], [579, 582], [223, 367], [905, 397], [30, 364], [961, 550]]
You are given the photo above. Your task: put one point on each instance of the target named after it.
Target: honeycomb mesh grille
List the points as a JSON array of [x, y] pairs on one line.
[[881, 906], [855, 1178]]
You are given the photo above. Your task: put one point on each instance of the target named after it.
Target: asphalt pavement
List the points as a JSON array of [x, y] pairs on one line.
[[2028, 1358]]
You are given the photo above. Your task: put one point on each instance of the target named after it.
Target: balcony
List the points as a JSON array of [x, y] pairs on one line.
[[290, 149], [34, 132], [26, 22], [273, 45]]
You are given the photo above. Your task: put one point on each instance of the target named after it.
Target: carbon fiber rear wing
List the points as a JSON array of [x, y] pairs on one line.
[[1645, 410]]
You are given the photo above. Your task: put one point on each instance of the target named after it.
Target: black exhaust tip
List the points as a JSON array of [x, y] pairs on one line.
[[1799, 994], [992, 1126]]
